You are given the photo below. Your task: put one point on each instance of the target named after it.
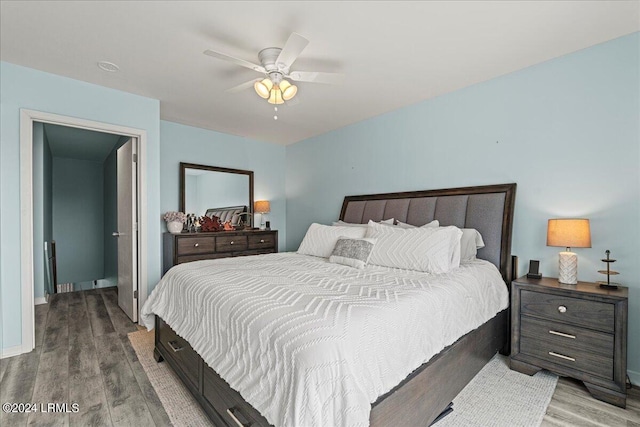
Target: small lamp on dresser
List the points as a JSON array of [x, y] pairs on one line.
[[568, 233], [262, 207]]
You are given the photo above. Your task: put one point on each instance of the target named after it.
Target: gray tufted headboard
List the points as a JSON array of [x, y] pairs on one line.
[[488, 209]]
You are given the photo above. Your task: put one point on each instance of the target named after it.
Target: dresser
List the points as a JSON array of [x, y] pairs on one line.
[[578, 331], [187, 247]]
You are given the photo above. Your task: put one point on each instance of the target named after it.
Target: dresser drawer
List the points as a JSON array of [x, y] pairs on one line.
[[568, 336], [262, 241], [231, 243], [196, 245], [568, 356], [228, 403], [179, 349], [591, 314]]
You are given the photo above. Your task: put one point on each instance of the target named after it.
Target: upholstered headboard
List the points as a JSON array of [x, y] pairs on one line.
[[229, 213], [488, 209]]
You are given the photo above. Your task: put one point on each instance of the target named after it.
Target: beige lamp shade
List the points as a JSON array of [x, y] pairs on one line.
[[569, 233], [261, 206]]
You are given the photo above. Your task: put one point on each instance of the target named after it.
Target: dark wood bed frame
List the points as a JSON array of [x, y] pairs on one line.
[[421, 397]]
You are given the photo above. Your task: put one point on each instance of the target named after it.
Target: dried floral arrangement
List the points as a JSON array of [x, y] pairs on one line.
[[175, 216], [210, 224]]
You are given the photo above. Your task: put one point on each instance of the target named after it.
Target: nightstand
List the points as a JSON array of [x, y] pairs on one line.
[[577, 331]]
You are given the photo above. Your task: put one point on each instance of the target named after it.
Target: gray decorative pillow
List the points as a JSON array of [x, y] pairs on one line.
[[352, 252]]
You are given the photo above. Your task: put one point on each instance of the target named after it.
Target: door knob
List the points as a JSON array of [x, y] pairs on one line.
[[116, 234]]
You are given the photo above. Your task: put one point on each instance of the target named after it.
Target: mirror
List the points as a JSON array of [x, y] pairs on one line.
[[211, 190]]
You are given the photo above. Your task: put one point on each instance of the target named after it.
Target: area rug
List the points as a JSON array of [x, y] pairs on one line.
[[496, 397]]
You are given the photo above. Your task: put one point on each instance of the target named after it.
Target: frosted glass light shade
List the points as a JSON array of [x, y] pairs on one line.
[[275, 96], [263, 87], [288, 90], [261, 206]]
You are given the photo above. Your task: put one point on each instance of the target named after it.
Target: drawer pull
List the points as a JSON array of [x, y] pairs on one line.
[[560, 334], [231, 242], [261, 240], [174, 346], [562, 309], [231, 412], [562, 356], [196, 245]]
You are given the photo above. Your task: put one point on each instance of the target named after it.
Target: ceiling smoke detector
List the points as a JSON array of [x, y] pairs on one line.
[[108, 66]]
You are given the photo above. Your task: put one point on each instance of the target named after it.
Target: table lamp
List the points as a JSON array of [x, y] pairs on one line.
[[568, 233], [262, 207]]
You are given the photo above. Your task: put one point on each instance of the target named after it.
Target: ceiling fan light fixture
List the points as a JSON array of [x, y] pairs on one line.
[[275, 97], [263, 87], [288, 90]]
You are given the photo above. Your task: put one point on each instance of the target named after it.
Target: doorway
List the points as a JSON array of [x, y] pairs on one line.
[[132, 143]]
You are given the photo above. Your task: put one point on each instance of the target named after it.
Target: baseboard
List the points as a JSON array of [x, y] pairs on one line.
[[634, 377], [40, 301], [11, 351]]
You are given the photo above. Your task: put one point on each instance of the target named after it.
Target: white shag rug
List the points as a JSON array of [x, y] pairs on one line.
[[496, 397]]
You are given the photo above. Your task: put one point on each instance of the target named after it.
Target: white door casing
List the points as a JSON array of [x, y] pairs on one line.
[[27, 117], [127, 234]]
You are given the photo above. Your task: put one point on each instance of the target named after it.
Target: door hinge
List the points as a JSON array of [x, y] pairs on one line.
[[135, 158], [135, 294]]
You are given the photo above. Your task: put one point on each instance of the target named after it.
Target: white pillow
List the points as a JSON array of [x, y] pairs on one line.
[[470, 242], [352, 252], [434, 223], [428, 249], [321, 239], [353, 224]]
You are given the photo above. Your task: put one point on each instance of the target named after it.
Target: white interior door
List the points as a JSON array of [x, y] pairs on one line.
[[127, 230]]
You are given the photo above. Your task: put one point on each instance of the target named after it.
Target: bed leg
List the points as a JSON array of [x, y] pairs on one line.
[[157, 356]]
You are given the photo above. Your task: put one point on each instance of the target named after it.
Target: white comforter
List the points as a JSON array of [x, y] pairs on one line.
[[310, 343]]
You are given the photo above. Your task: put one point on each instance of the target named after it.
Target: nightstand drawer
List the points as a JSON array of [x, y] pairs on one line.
[[567, 336], [591, 314], [566, 355], [196, 245], [231, 243]]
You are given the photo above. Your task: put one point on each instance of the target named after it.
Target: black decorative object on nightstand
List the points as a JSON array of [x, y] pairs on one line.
[[578, 331]]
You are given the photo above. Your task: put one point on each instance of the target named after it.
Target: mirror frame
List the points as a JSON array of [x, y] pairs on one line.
[[184, 166]]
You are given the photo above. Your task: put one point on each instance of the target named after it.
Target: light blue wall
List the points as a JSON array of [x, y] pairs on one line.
[[219, 190], [78, 219], [27, 88], [566, 131], [180, 143]]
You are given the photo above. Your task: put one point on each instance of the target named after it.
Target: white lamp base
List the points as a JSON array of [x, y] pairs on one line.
[[568, 268]]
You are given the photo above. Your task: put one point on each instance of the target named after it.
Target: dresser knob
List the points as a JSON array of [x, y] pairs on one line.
[[231, 243], [196, 245], [261, 240], [562, 309]]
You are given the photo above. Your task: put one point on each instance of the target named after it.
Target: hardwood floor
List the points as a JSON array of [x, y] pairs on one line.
[[82, 355], [572, 405]]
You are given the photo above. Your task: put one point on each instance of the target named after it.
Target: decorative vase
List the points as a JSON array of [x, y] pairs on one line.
[[174, 227]]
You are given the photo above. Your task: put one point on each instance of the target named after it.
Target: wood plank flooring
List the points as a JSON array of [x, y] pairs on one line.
[[82, 355]]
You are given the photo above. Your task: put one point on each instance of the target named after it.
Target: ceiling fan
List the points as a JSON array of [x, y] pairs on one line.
[[275, 64]]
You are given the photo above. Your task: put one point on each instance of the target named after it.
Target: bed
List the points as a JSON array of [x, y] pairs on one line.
[[416, 397]]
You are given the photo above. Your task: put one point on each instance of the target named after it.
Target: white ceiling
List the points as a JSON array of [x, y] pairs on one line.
[[392, 53]]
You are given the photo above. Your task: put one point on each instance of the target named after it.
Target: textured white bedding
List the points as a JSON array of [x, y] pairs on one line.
[[311, 343]]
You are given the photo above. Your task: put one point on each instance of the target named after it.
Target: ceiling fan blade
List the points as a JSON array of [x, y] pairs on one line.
[[316, 77], [242, 86], [237, 61], [294, 47]]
